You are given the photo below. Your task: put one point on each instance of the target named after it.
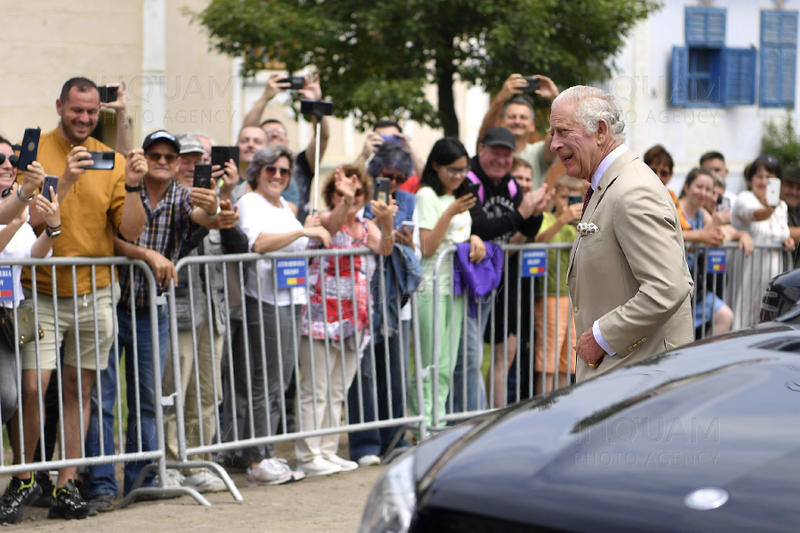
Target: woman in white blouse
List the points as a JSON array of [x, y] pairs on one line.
[[270, 225], [768, 226]]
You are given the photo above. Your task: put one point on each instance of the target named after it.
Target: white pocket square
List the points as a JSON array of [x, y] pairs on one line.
[[587, 228]]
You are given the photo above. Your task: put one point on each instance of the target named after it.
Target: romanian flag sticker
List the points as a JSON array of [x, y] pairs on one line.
[[291, 272], [534, 263]]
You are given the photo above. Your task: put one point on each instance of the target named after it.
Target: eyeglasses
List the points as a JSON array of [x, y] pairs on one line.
[[662, 172], [275, 131], [272, 169], [455, 172], [11, 159], [155, 157]]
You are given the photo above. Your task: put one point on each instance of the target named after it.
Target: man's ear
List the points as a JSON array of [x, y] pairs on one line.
[[58, 106], [602, 131]]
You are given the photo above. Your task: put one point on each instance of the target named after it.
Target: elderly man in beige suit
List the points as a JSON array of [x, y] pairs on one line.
[[628, 279]]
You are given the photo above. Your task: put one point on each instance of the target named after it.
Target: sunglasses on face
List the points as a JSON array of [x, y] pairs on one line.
[[11, 159], [155, 157], [271, 169]]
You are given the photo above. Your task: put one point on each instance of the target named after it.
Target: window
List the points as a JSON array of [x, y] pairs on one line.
[[704, 72], [778, 58]]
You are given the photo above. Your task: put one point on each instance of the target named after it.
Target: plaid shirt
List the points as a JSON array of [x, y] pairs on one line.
[[167, 225]]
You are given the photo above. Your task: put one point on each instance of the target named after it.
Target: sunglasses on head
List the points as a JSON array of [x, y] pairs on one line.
[[11, 159]]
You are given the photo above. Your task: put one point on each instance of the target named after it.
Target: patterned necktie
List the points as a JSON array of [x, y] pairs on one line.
[[586, 199]]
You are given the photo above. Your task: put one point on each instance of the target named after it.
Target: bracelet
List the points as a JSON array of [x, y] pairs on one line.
[[387, 237], [53, 232], [24, 200], [133, 188], [219, 210]]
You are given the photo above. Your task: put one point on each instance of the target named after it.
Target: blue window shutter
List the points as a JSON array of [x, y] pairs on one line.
[[778, 58], [705, 26], [738, 75], [679, 81]]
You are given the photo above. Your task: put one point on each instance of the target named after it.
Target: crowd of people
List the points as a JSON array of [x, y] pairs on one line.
[[246, 370]]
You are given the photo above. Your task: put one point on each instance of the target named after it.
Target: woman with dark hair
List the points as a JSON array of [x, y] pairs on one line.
[[442, 211], [336, 326], [270, 225], [769, 226]]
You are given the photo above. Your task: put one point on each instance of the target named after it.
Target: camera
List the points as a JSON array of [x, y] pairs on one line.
[[318, 108], [574, 199], [295, 82], [107, 93], [533, 84]]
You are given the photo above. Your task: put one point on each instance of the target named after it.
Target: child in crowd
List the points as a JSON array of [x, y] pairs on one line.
[[559, 337]]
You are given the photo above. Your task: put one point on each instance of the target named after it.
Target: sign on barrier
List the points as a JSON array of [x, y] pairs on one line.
[[6, 284], [534, 263], [291, 272], [716, 261]]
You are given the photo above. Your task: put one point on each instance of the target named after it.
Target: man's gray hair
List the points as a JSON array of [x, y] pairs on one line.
[[267, 156], [592, 106]]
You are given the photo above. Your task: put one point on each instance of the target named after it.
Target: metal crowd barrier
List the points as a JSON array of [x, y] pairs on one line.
[[737, 280], [243, 367], [51, 404]]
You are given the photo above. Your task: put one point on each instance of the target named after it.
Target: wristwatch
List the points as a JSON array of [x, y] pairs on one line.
[[133, 188], [53, 232], [22, 198], [218, 211]]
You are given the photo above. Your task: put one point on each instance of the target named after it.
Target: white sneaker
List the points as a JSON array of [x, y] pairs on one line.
[[369, 460], [271, 471], [172, 480], [204, 481], [319, 467], [344, 464]]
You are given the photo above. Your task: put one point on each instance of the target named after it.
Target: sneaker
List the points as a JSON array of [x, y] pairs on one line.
[[67, 503], [369, 460], [18, 494], [172, 480], [344, 464], [319, 467], [45, 499], [271, 471], [204, 480], [102, 503]]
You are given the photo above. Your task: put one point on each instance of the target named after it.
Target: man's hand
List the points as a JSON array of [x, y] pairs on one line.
[[135, 167], [311, 90], [477, 249], [163, 268], [228, 215], [371, 145], [229, 175], [205, 199], [589, 350], [547, 89], [32, 179], [514, 85], [77, 161], [273, 87]]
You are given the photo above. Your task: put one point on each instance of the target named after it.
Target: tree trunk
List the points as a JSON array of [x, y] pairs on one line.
[[447, 109]]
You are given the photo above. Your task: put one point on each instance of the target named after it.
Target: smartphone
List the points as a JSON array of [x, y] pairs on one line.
[[107, 93], [407, 226], [295, 82], [382, 190], [773, 191], [202, 176], [49, 181], [101, 161], [29, 148], [533, 84], [469, 188], [574, 199], [723, 204], [318, 108], [222, 154]]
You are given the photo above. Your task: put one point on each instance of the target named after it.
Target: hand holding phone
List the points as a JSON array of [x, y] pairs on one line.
[[29, 148], [49, 181], [295, 82], [101, 161], [382, 190], [202, 176]]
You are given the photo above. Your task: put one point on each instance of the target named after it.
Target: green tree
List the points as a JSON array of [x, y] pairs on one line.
[[781, 141], [375, 59]]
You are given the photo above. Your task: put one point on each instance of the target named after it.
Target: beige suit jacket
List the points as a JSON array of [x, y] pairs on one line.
[[631, 273]]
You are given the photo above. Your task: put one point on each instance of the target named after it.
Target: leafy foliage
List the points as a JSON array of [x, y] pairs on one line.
[[781, 141], [376, 59]]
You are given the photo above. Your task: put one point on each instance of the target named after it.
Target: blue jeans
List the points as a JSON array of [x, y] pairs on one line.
[[377, 441], [101, 477], [476, 392]]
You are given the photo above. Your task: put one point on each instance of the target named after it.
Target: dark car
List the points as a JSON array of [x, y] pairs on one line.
[[706, 437]]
